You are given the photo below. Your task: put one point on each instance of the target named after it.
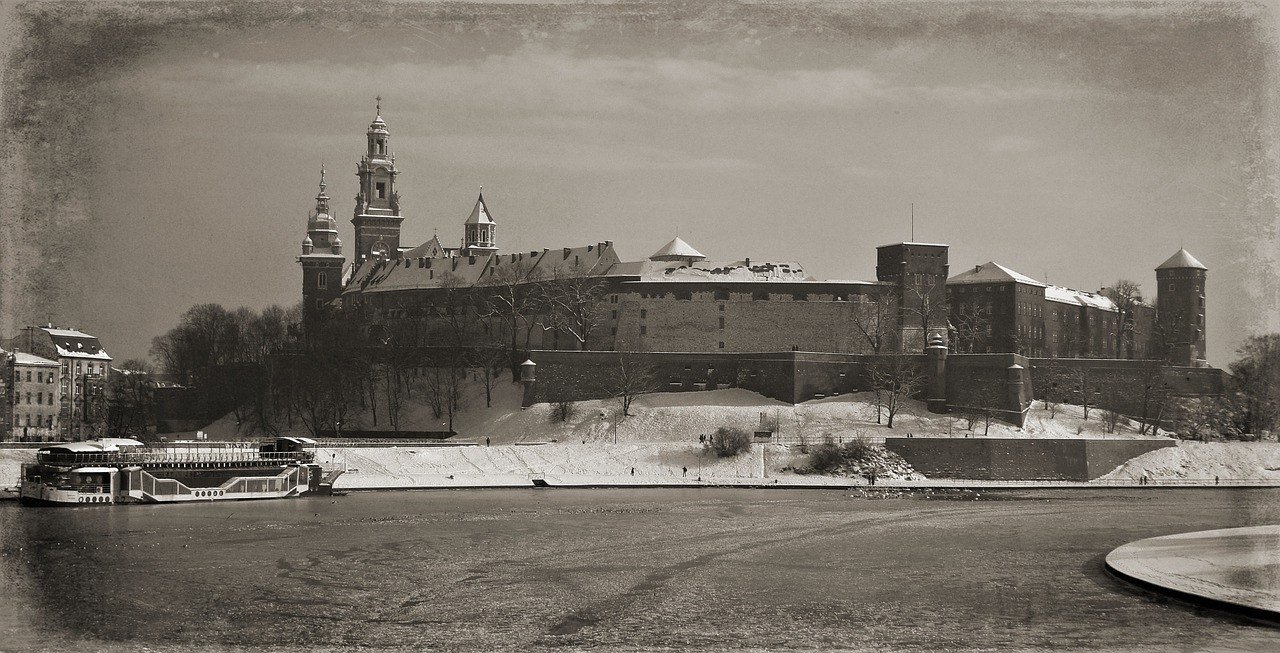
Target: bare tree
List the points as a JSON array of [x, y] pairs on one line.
[[131, 400], [572, 299], [1256, 377], [925, 304], [895, 380], [488, 363], [1127, 297], [971, 329], [511, 299], [875, 322], [631, 379]]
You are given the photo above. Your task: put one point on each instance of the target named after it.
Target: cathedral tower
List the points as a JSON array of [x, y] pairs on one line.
[[478, 230], [377, 214], [1180, 286], [321, 259]]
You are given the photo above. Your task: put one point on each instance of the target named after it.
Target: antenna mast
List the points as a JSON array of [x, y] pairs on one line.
[[913, 222]]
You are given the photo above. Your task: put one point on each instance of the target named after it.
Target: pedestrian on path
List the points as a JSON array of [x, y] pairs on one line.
[[684, 471], [486, 442]]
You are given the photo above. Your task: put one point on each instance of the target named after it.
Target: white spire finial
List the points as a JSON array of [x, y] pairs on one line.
[[379, 98]]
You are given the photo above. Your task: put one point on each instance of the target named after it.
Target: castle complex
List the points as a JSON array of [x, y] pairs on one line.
[[586, 298]]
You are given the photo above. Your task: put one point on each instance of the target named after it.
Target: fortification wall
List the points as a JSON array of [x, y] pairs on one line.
[[1018, 459], [1119, 384]]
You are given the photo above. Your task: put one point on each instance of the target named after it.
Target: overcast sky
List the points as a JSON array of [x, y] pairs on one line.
[[1074, 143]]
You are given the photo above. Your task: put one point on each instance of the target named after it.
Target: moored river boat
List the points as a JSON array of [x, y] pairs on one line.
[[121, 470]]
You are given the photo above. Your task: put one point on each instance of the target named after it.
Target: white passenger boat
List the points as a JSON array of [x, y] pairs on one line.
[[121, 470]]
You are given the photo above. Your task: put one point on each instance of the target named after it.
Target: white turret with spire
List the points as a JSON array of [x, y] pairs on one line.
[[479, 230]]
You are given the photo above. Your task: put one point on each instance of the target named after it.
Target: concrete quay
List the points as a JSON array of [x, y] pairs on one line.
[[1234, 569]]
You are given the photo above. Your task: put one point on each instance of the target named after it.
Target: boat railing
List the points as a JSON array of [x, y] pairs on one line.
[[152, 457]]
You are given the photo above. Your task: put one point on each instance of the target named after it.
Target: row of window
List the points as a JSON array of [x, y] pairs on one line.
[[39, 398], [35, 420], [40, 377]]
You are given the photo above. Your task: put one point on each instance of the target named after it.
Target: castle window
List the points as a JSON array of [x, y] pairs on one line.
[[722, 295], [722, 323], [615, 315], [643, 330], [322, 281], [644, 312], [722, 308], [381, 190], [721, 346], [28, 376]]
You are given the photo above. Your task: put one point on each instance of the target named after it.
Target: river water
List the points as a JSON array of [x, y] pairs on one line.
[[697, 569]]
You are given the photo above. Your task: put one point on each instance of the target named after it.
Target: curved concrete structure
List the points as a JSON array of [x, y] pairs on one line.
[[1235, 569]]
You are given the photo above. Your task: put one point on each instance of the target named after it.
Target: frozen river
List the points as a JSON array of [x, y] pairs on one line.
[[703, 569]]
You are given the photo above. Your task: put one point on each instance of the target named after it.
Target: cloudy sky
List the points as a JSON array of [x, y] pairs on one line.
[[1081, 143]]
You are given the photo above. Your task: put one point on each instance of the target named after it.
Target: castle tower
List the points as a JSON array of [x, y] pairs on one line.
[[917, 272], [321, 259], [478, 230], [377, 214], [1180, 286]]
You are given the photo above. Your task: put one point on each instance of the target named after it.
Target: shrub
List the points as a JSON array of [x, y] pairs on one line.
[[729, 442], [858, 449], [561, 411], [825, 457]]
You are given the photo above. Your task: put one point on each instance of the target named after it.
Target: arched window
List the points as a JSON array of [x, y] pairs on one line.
[[322, 281]]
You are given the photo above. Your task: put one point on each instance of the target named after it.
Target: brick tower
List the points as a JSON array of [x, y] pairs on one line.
[[918, 273], [377, 214], [1180, 286]]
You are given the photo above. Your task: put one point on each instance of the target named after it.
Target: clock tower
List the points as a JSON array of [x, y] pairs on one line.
[[377, 214]]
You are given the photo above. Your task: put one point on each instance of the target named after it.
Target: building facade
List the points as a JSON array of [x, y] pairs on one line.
[[30, 398], [586, 298]]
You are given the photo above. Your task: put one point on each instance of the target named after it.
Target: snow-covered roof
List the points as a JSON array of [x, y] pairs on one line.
[[411, 273], [22, 358], [679, 270], [991, 272], [74, 344], [93, 446], [1078, 297], [1182, 259], [676, 250]]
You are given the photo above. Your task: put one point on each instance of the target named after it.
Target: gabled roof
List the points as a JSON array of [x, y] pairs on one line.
[[430, 249], [675, 250], [991, 272], [1182, 259], [480, 214]]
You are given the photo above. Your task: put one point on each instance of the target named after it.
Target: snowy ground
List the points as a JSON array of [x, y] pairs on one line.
[[660, 442]]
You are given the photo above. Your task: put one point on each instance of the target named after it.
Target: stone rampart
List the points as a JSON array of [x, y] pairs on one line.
[[1008, 459]]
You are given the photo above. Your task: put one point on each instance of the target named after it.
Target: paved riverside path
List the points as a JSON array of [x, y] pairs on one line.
[[1236, 569]]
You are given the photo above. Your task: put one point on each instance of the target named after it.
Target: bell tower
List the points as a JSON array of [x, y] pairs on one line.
[[478, 230], [321, 259], [377, 214]]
